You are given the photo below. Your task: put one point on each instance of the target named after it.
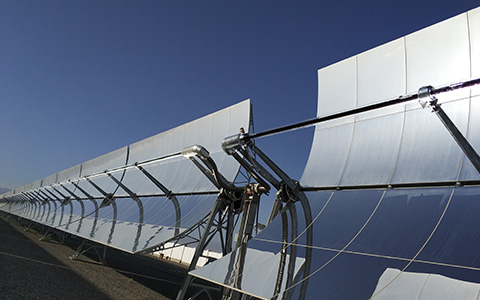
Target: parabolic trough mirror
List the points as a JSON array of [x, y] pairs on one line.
[[394, 199], [387, 206], [138, 196]]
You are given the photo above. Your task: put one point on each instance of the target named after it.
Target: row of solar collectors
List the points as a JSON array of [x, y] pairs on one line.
[[125, 224], [381, 227], [143, 213]]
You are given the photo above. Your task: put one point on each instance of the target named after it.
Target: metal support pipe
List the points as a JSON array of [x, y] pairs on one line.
[[462, 142], [250, 170], [94, 203], [105, 194], [53, 195], [82, 206], [114, 223], [169, 195], [283, 255], [82, 190], [60, 193], [307, 212], [140, 209], [201, 245], [27, 196], [70, 192], [82, 215], [203, 154], [206, 172], [120, 184], [62, 207], [293, 251], [259, 168], [283, 176], [48, 210], [250, 206], [426, 98], [289, 190], [54, 212], [354, 111]]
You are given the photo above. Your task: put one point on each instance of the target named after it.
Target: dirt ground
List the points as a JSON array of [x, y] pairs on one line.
[[34, 269]]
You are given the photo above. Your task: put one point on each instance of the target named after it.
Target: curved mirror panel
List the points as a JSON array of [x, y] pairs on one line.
[[374, 151], [428, 152], [328, 156]]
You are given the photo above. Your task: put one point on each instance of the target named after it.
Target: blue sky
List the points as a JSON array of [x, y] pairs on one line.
[[79, 79]]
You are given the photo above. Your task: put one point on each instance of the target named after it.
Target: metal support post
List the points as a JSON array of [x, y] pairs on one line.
[[250, 207], [81, 250], [200, 248], [289, 191]]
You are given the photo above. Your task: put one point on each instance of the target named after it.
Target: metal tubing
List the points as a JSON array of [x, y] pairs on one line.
[[244, 235], [427, 98], [293, 250], [114, 222], [399, 100], [205, 172], [56, 190], [27, 197], [82, 215], [260, 169], [38, 195], [458, 137], [71, 215], [96, 187], [70, 192], [283, 256], [82, 190], [222, 181], [126, 189], [169, 195], [201, 244], [283, 176], [39, 209], [250, 170], [53, 195], [61, 215], [229, 234], [140, 209], [54, 214], [48, 212], [307, 211]]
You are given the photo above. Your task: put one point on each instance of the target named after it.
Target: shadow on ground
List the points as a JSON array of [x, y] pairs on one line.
[[33, 269]]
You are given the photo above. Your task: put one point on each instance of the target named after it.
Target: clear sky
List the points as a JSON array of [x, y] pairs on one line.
[[79, 79]]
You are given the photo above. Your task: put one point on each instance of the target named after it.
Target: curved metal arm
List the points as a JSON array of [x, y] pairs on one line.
[[198, 151]]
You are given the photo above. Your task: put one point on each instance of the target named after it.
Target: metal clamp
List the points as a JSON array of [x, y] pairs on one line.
[[425, 97]]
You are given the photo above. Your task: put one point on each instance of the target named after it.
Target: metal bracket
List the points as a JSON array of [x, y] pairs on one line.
[[82, 249], [425, 97], [107, 200]]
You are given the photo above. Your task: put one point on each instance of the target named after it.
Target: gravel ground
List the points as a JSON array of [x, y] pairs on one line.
[[34, 269]]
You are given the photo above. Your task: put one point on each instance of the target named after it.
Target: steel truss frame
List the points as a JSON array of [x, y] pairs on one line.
[[249, 197]]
